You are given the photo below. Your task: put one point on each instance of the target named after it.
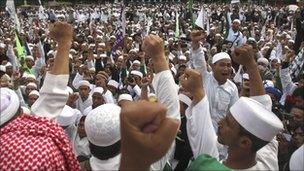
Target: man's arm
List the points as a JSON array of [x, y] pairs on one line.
[[53, 94]]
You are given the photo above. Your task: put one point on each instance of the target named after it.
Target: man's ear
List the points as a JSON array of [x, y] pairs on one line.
[[245, 143]]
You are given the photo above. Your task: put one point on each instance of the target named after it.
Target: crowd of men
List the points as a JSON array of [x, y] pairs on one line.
[[228, 95]]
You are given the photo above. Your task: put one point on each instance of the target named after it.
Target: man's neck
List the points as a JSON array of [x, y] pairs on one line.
[[239, 159], [84, 98]]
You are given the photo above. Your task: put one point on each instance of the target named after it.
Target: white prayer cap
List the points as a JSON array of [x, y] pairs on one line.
[[182, 57], [102, 125], [70, 56], [264, 61], [2, 45], [25, 110], [112, 37], [187, 52], [256, 119], [8, 64], [83, 83], [2, 68], [103, 55], [9, 104], [113, 83], [237, 21], [127, 97], [291, 41], [297, 159], [220, 56], [98, 90], [171, 56], [245, 76], [30, 76], [101, 44], [173, 70], [133, 50], [67, 116], [70, 90], [73, 51], [29, 57], [268, 83], [34, 92], [31, 84], [138, 73], [51, 52], [185, 99], [136, 62], [92, 69], [251, 39]]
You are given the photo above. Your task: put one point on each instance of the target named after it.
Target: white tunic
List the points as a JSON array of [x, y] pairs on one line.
[[82, 105], [81, 146], [220, 97]]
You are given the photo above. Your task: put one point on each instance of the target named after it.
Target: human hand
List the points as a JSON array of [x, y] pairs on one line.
[[196, 36], [192, 82], [61, 32], [244, 56], [145, 136], [153, 46]]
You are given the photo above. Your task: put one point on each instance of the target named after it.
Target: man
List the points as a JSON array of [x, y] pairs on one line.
[[235, 37], [97, 100], [221, 92], [32, 97], [248, 127], [36, 142], [85, 99], [102, 129]]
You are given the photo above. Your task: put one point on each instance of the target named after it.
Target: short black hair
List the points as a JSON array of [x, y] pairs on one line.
[[257, 143]]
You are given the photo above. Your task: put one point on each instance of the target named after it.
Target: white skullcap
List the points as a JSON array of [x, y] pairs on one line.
[[251, 39], [70, 56], [98, 90], [173, 70], [101, 44], [51, 52], [92, 69], [70, 90], [133, 50], [297, 159], [220, 56], [32, 84], [136, 62], [245, 76], [185, 99], [83, 83], [182, 57], [127, 97], [25, 110], [9, 104], [187, 52], [29, 57], [268, 83], [73, 51], [152, 95], [237, 21], [30, 76], [112, 37], [67, 116], [256, 119], [8, 64], [34, 92], [264, 61], [2, 68], [171, 56], [138, 73], [2, 45], [102, 125], [113, 83], [291, 41]]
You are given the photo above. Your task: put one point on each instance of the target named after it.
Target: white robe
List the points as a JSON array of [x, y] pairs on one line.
[[82, 105], [110, 164]]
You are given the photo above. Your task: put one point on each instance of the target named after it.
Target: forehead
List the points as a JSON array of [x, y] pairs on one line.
[[223, 62]]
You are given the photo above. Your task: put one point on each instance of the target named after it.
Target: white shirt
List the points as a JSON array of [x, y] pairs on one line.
[[201, 134], [53, 96], [220, 97], [167, 94], [236, 37], [81, 146], [287, 84], [110, 164], [82, 105]]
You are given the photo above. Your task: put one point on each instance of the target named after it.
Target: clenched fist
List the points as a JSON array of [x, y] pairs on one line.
[[244, 56], [61, 32], [153, 46]]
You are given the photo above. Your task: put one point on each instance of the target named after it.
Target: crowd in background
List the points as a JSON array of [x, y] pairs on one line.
[[101, 74]]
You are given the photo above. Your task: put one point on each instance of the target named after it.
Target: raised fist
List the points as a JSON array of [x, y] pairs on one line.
[[153, 46], [244, 55], [61, 32], [191, 81]]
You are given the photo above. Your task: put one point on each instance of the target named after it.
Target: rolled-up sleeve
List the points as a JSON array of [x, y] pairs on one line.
[[53, 96]]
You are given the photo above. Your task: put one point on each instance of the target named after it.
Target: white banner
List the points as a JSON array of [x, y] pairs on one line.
[[200, 21], [235, 1], [10, 8]]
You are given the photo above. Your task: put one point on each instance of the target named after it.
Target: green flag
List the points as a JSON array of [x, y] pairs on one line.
[[177, 32], [19, 46], [190, 4]]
